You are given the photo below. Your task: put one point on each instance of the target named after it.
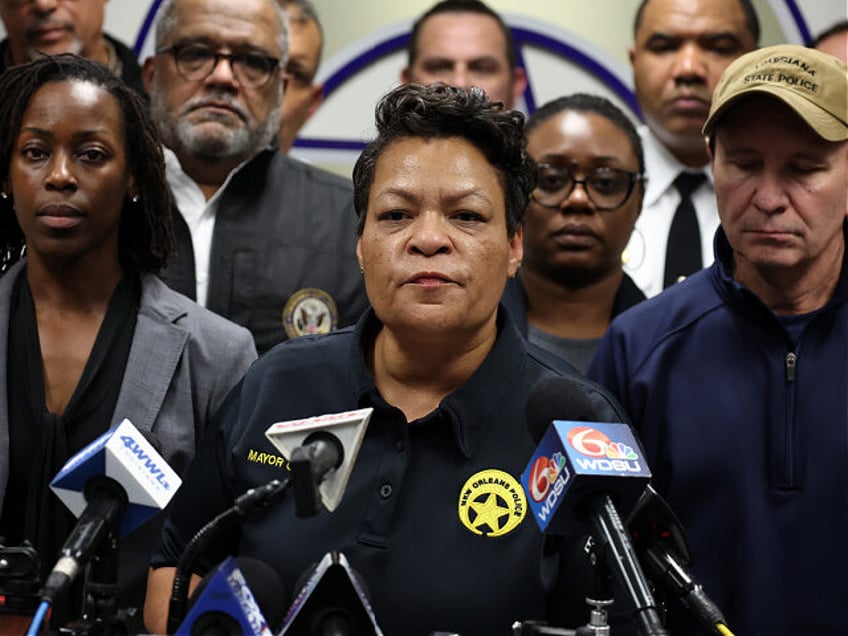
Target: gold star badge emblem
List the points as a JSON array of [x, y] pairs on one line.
[[491, 503]]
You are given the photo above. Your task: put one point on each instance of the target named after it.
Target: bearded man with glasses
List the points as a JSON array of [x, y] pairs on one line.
[[587, 199], [262, 239]]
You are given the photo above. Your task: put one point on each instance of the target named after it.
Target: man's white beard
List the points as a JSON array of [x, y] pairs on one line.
[[181, 135]]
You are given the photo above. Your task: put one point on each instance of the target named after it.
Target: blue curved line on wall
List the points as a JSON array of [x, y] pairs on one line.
[[592, 66], [529, 97], [146, 26], [800, 22], [329, 144], [522, 37], [363, 61]]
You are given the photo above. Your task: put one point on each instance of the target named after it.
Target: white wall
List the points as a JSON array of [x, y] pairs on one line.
[[598, 31]]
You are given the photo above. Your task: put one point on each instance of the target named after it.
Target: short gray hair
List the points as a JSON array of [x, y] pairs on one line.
[[166, 21]]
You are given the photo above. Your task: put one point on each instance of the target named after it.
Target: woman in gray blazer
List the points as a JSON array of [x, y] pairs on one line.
[[88, 334]]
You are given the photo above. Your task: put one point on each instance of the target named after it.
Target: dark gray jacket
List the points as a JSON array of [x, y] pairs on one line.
[[282, 226]]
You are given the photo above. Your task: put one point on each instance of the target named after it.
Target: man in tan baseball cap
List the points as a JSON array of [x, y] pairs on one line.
[[810, 82], [741, 369], [777, 136]]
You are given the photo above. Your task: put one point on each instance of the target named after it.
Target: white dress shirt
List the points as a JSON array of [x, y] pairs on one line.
[[644, 256], [199, 215]]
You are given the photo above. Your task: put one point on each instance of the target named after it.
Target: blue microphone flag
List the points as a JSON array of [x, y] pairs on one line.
[[575, 459], [226, 597]]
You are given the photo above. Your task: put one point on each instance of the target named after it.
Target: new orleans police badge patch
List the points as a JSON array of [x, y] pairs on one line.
[[310, 311], [492, 503]]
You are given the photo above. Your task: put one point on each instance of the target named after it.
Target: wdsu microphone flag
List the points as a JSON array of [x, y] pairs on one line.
[[577, 459]]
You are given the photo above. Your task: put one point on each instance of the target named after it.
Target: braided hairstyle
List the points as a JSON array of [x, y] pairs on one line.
[[146, 229]]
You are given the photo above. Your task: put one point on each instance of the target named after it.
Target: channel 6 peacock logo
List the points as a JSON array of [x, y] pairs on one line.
[[598, 452], [545, 481], [580, 455], [547, 474]]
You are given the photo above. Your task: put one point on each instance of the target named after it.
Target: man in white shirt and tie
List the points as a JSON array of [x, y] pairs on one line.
[[680, 49]]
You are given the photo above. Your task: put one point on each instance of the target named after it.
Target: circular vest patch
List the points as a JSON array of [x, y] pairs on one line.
[[492, 503], [309, 311]]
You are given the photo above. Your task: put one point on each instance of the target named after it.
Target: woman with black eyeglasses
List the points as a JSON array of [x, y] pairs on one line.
[[587, 198]]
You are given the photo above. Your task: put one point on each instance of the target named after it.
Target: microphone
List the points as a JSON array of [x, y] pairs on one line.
[[321, 452], [113, 485], [580, 470], [244, 505], [660, 542], [234, 599], [577, 458], [332, 602]]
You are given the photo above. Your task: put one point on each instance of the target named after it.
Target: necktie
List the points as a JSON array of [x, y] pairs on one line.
[[683, 250]]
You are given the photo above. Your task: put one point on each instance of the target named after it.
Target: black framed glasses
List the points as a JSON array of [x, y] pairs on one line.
[[607, 188], [196, 61]]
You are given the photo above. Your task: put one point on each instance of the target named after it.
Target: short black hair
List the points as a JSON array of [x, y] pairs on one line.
[[146, 229], [833, 29], [585, 103], [441, 111], [752, 21], [460, 6]]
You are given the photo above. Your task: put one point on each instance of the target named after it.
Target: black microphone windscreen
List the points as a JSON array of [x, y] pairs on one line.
[[264, 584], [557, 399], [267, 589], [303, 580], [330, 599]]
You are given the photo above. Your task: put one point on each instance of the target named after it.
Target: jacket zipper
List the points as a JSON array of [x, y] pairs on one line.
[[790, 363]]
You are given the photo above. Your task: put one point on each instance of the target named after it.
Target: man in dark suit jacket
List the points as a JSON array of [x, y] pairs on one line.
[[263, 239]]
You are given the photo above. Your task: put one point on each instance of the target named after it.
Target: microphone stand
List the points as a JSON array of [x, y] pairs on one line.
[[599, 598], [619, 557], [609, 552], [101, 615], [254, 498]]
